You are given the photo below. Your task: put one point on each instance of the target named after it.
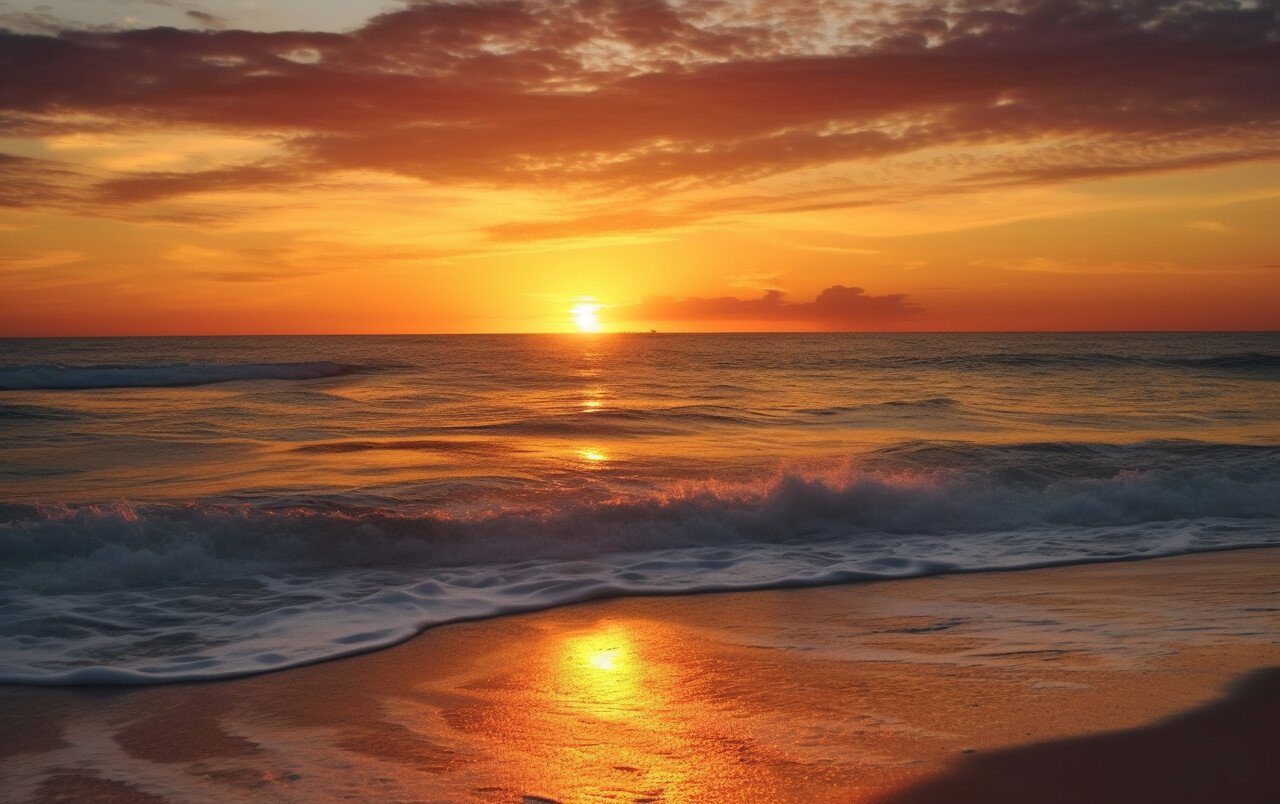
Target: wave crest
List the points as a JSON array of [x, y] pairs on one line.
[[144, 593], [928, 488]]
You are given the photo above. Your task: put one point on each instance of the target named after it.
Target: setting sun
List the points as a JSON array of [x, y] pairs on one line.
[[585, 316]]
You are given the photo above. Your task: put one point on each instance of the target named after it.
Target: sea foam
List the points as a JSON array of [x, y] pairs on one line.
[[131, 593]]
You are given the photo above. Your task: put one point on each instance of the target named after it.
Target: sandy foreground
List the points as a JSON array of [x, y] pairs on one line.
[[979, 687]]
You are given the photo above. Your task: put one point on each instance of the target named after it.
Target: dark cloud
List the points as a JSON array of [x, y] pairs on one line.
[[838, 307], [162, 184], [605, 95], [25, 181]]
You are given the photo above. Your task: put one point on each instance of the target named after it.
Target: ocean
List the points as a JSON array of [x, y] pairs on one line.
[[194, 508]]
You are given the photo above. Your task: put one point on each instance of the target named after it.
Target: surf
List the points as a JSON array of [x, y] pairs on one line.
[[239, 588]]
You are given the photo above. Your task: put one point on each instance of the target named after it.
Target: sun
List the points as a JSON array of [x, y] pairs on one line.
[[585, 316], [604, 659]]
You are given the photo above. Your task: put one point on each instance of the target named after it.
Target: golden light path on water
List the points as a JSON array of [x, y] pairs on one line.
[[592, 455]]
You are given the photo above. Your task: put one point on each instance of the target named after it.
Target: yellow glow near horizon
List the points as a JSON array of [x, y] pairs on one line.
[[585, 316], [565, 196]]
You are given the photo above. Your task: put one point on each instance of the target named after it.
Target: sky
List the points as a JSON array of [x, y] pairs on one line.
[[315, 166]]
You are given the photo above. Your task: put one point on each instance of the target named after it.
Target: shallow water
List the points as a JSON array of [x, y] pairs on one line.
[[201, 507]]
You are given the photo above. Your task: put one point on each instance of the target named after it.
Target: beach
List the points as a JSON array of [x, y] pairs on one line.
[[915, 690]]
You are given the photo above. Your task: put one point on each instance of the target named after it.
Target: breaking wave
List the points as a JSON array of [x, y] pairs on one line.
[[132, 593]]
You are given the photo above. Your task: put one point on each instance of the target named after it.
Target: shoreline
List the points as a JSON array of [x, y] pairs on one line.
[[853, 691], [1235, 736], [108, 677]]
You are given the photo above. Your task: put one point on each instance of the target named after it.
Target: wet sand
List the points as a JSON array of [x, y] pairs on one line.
[[1101, 682]]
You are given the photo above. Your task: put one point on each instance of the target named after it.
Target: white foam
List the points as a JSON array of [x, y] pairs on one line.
[[303, 619], [138, 595]]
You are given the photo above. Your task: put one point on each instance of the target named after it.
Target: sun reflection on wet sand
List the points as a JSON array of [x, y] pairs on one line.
[[612, 718], [835, 694], [603, 678]]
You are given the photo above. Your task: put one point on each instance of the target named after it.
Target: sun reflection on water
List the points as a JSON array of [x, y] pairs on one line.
[[606, 659], [593, 455], [592, 399]]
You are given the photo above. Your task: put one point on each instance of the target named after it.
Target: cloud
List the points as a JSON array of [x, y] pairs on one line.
[[26, 182], [1047, 265], [837, 307], [38, 20], [1212, 227], [37, 262], [254, 277], [756, 281], [205, 19], [601, 97], [154, 185], [836, 249], [606, 223]]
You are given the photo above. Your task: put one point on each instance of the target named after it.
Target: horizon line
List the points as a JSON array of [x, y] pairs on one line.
[[650, 333]]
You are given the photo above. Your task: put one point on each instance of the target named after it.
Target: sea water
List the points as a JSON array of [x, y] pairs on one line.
[[195, 508]]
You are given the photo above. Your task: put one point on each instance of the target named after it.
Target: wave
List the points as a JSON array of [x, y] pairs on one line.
[[144, 593], [50, 377], [1241, 362], [621, 421], [683, 419], [47, 376], [924, 487], [28, 413], [931, 406], [264, 623]]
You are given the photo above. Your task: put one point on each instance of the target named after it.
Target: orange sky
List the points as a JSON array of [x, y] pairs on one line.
[[697, 165]]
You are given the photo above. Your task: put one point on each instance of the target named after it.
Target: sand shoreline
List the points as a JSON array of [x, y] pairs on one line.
[[838, 693], [103, 677]]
